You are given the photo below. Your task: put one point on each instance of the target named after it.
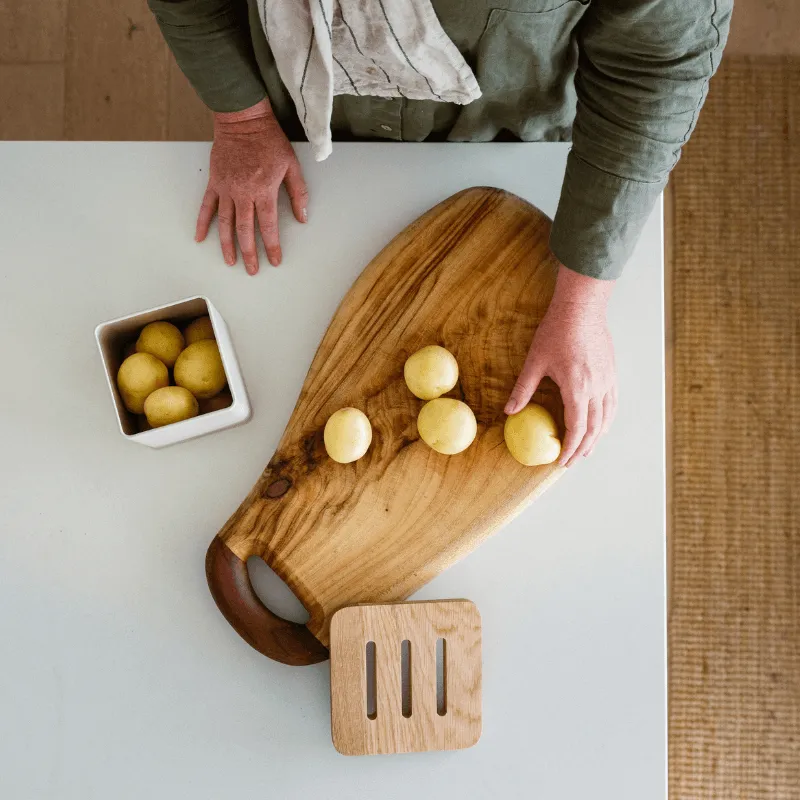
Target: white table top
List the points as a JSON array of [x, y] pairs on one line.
[[118, 675]]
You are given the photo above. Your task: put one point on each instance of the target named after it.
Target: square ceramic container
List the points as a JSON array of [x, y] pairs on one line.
[[113, 336]]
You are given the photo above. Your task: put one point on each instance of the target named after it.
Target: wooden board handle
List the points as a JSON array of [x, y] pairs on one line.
[[277, 638]]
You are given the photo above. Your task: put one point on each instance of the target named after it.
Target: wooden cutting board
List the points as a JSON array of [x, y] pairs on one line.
[[475, 275]]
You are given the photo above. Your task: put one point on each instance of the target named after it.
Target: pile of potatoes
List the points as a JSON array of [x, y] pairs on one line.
[[170, 375], [445, 424]]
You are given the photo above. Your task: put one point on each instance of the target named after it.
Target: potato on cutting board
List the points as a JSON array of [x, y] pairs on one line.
[[532, 436], [431, 372], [447, 425], [347, 435]]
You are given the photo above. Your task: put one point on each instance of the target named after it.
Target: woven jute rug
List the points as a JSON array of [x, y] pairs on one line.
[[735, 442]]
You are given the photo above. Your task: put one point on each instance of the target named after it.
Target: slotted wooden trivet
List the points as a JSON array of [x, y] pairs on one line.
[[385, 660]]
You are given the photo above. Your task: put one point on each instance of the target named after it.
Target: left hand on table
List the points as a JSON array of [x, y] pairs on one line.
[[573, 346]]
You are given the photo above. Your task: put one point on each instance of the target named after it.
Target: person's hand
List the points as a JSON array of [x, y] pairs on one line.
[[250, 159], [573, 346]]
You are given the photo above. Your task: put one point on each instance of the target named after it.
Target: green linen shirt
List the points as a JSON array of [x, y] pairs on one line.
[[624, 80]]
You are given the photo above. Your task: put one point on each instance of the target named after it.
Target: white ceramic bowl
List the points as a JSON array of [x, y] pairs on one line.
[[112, 338]]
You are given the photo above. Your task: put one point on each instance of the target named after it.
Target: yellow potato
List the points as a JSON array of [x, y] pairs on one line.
[[221, 400], [198, 330], [431, 372], [138, 376], [170, 404], [199, 369], [532, 436], [348, 435], [162, 340], [447, 425]]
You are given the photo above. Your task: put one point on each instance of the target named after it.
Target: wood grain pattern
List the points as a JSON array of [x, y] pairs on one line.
[[116, 72], [389, 730], [475, 275], [734, 626], [31, 101], [32, 32]]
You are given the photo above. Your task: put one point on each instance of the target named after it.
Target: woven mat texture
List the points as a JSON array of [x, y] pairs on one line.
[[734, 349]]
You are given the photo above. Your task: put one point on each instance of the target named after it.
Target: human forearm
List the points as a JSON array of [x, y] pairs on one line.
[[573, 346], [642, 78], [211, 43]]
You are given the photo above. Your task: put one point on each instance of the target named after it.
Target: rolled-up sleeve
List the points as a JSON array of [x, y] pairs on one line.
[[643, 74], [211, 42]]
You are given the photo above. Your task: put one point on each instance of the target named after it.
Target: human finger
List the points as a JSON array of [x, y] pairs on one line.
[[594, 424], [207, 210], [527, 383], [297, 190], [267, 209], [225, 222], [575, 412], [609, 411], [245, 234]]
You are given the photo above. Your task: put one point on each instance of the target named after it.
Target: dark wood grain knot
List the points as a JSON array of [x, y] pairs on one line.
[[278, 488]]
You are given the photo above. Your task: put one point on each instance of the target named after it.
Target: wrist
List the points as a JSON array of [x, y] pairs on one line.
[[246, 118], [580, 295]]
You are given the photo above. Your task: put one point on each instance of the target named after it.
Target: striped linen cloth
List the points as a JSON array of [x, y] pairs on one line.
[[381, 48]]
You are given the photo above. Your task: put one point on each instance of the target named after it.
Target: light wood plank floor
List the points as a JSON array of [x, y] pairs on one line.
[[81, 69]]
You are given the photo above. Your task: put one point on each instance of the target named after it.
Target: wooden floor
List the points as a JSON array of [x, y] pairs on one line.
[[84, 69]]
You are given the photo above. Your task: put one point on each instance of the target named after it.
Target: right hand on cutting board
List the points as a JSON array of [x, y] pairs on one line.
[[573, 346], [250, 159]]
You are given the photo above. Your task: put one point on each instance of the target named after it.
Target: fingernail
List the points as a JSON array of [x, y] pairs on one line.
[[251, 269], [229, 262], [304, 214], [512, 406]]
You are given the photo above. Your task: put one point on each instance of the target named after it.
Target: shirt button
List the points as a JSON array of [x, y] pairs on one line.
[[386, 127]]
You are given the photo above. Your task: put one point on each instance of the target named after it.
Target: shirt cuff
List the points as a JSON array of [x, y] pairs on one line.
[[211, 42], [599, 219]]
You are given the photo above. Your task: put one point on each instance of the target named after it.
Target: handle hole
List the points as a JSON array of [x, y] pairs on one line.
[[405, 676], [274, 593], [441, 677], [372, 688]]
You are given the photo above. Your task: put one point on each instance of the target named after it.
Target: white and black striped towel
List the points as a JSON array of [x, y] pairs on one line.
[[383, 48]]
